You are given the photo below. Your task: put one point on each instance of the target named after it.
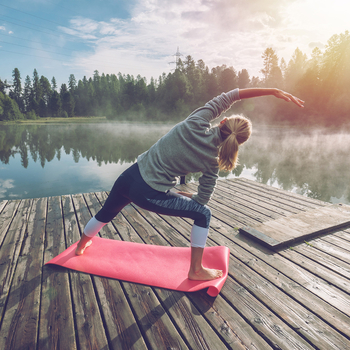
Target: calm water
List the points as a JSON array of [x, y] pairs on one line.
[[48, 160]]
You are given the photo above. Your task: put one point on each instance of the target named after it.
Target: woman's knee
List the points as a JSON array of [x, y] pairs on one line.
[[207, 214], [204, 216]]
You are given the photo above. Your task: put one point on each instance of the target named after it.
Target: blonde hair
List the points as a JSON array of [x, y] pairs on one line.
[[234, 131]]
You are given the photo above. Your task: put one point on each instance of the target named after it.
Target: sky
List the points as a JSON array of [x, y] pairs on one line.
[[141, 37]]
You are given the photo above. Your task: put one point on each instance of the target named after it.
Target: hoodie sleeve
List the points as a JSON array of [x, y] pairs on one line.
[[205, 188], [215, 107]]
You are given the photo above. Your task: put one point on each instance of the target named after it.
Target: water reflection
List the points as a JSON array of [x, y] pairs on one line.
[[44, 160], [108, 143], [312, 163]]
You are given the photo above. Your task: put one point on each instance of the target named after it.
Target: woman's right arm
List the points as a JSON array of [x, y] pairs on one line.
[[257, 92]]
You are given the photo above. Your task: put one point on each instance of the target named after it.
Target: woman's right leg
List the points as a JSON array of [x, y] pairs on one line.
[[115, 202]]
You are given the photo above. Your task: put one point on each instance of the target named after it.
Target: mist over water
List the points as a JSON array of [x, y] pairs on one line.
[[47, 160], [314, 163]]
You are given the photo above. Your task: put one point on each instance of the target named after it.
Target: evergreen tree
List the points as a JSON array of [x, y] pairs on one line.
[[324, 81], [17, 89], [67, 101], [276, 78], [255, 82], [36, 86], [228, 79], [335, 74], [27, 94], [309, 84], [2, 87], [72, 83], [55, 105], [46, 93], [9, 109], [243, 79], [53, 84], [295, 70], [36, 93], [212, 86], [271, 70]]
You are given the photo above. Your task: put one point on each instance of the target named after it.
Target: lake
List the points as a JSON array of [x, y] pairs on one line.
[[40, 160]]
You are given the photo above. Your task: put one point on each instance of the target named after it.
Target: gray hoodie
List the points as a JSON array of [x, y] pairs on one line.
[[190, 146]]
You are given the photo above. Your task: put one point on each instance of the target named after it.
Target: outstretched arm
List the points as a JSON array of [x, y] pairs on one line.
[[257, 92]]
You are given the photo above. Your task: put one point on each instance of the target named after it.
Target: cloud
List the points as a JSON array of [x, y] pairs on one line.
[[228, 32], [5, 185], [2, 28], [318, 44]]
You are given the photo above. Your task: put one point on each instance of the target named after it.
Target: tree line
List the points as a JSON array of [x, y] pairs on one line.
[[323, 81]]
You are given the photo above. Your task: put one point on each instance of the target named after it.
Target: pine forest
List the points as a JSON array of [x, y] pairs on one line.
[[322, 80]]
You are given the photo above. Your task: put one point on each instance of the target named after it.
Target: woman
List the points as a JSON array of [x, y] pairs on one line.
[[190, 146]]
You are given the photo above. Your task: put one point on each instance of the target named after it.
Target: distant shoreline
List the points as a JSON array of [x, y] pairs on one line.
[[82, 120], [56, 120]]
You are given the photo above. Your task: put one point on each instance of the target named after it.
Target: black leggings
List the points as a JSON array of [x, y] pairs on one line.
[[130, 187]]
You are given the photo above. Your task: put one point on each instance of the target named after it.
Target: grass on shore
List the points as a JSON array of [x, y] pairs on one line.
[[56, 120]]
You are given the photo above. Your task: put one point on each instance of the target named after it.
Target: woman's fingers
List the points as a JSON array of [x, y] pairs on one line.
[[288, 97]]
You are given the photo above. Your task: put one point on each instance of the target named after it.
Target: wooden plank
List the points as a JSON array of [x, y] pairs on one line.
[[278, 192], [2, 205], [307, 288], [344, 234], [197, 332], [227, 198], [337, 241], [10, 250], [88, 323], [273, 273], [235, 209], [226, 321], [121, 326], [322, 290], [317, 269], [283, 231], [270, 195], [56, 312], [154, 322], [326, 247], [236, 214], [298, 317], [20, 324], [6, 217], [294, 281], [253, 310], [238, 195], [330, 262]]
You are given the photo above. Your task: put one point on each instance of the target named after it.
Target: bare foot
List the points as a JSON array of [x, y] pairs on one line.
[[204, 274], [80, 250]]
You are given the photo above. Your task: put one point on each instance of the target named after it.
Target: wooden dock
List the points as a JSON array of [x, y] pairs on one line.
[[295, 298]]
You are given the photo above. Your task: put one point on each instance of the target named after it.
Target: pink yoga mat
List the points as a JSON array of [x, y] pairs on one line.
[[153, 265]]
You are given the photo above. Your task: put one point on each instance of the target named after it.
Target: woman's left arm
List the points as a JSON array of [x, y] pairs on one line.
[[186, 194], [257, 92]]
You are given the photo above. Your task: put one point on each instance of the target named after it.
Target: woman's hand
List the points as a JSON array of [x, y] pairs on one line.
[[186, 194], [288, 97]]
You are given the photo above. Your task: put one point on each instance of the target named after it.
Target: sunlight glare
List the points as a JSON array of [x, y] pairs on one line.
[[321, 15]]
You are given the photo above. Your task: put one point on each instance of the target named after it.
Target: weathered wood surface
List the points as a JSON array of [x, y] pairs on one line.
[[296, 298], [282, 231]]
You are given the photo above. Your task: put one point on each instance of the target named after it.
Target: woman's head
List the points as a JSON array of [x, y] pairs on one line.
[[234, 132]]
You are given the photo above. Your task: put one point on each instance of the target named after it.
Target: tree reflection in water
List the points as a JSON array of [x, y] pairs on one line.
[[314, 164]]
